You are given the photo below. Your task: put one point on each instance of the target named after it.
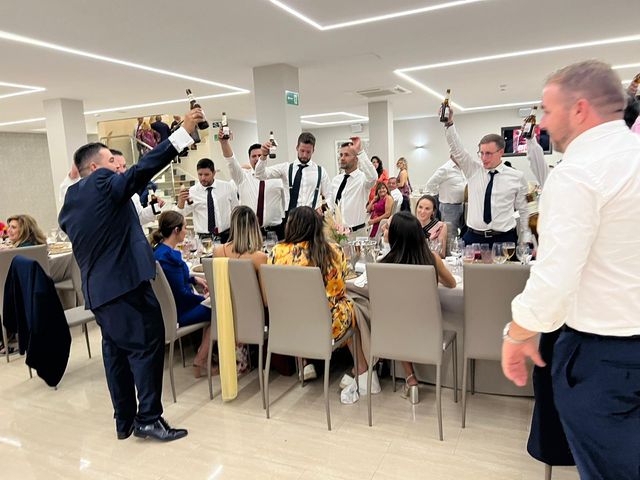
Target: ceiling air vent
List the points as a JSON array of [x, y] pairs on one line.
[[383, 91]]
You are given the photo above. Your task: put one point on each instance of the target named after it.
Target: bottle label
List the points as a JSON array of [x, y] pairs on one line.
[[225, 131]]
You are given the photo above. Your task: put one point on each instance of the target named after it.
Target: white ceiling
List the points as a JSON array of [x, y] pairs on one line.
[[218, 41]]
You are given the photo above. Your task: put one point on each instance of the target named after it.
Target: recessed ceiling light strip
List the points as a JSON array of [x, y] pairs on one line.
[[73, 51], [377, 18]]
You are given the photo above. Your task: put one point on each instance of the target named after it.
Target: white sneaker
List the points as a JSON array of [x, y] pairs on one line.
[[346, 380], [362, 383], [309, 372]]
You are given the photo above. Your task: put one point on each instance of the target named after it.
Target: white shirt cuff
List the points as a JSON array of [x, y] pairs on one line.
[[180, 139]]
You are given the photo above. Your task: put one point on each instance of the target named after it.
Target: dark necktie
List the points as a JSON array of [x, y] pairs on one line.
[[211, 212], [295, 188], [260, 207], [487, 198], [341, 187]]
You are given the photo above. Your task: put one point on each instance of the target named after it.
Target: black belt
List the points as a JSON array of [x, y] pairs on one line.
[[488, 233], [445, 203], [357, 227], [272, 228], [595, 336], [208, 235]]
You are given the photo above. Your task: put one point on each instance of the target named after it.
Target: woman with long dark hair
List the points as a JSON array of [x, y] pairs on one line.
[[171, 230], [433, 229], [380, 207], [383, 175], [305, 245], [409, 247]]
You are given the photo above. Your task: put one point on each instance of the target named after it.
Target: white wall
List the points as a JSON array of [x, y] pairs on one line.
[[427, 132]]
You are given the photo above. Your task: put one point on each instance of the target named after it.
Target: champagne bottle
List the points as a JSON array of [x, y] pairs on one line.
[[154, 205], [203, 125], [529, 125], [445, 109], [273, 147], [225, 127]]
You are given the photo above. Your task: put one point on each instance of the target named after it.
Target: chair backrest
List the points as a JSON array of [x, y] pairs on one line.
[[488, 292], [37, 253], [163, 292], [299, 315], [406, 319], [207, 268], [246, 298]]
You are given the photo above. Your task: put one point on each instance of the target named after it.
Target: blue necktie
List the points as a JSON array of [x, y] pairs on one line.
[[487, 198]]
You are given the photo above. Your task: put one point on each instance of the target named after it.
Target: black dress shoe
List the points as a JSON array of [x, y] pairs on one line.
[[160, 430], [124, 434]]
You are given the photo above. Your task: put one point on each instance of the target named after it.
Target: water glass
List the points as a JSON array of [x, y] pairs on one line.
[[523, 252], [485, 253], [469, 254]]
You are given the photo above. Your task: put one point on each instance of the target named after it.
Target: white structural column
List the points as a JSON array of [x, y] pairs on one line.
[[66, 132], [270, 83], [381, 133]]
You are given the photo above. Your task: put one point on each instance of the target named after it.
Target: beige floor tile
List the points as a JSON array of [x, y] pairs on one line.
[[69, 433]]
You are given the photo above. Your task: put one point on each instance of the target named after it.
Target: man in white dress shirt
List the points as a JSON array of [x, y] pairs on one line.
[[392, 185], [448, 183], [211, 202], [586, 275], [145, 214], [265, 197], [495, 191], [306, 181], [351, 188]]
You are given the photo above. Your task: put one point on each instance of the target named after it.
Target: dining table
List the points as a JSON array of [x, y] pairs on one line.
[[488, 374]]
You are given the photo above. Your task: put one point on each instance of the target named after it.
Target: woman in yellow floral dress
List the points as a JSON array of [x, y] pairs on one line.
[[304, 245]]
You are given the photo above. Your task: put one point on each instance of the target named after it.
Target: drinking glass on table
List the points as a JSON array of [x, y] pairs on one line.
[[485, 253], [509, 249], [499, 255], [270, 240], [434, 245], [469, 254], [207, 246], [523, 252]]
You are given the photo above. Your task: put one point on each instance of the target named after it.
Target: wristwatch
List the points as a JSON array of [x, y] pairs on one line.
[[507, 338]]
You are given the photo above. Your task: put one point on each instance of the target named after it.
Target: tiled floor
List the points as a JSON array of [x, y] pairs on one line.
[[69, 433]]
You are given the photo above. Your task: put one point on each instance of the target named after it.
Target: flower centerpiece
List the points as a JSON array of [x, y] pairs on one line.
[[335, 229]]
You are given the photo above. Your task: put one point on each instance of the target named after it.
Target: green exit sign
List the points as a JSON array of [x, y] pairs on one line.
[[293, 98]]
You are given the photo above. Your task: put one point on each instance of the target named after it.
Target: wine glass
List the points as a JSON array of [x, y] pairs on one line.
[[509, 249], [434, 245], [207, 246], [270, 240], [498, 253], [523, 252]]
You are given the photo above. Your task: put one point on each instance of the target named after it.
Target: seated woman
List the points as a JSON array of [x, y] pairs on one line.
[[23, 231], [305, 245], [171, 230], [245, 241], [245, 238], [380, 207], [432, 228], [409, 248]]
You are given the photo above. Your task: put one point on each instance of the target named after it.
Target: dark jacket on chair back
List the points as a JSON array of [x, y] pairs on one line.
[[32, 309]]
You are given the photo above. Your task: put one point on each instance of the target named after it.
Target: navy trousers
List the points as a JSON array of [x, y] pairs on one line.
[[133, 355], [596, 386], [511, 236]]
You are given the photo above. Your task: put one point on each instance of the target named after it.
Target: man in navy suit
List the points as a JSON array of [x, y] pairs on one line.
[[116, 263]]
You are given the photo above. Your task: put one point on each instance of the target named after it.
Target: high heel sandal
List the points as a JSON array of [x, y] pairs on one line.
[[411, 391]]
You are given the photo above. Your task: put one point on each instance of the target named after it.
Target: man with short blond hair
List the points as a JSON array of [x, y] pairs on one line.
[[586, 280]]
